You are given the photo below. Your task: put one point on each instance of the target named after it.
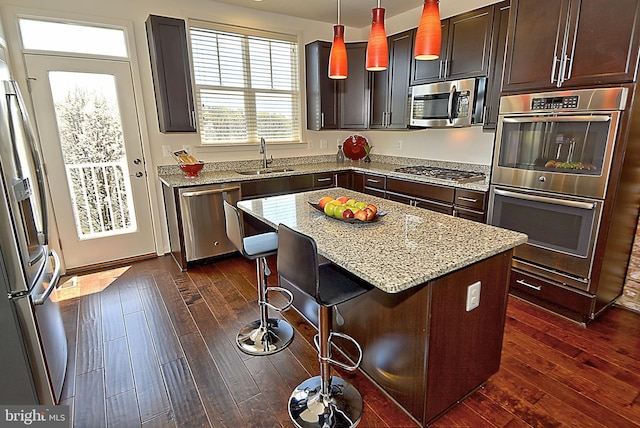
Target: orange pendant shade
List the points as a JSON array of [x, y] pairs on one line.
[[338, 66], [377, 48], [429, 35]]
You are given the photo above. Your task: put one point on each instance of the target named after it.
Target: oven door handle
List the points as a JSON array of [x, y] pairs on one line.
[[535, 198], [578, 118]]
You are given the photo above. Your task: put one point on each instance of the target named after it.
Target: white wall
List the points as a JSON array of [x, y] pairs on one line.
[[469, 145]]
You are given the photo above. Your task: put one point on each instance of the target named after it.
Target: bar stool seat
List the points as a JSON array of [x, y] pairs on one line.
[[266, 335], [321, 401]]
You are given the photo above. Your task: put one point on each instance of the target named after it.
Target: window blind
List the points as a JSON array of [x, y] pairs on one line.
[[246, 84]]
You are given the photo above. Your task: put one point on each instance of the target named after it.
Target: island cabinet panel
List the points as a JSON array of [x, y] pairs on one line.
[[571, 43], [171, 71], [465, 52], [422, 345]]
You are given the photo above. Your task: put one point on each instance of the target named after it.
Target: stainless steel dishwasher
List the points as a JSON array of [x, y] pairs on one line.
[[203, 220]]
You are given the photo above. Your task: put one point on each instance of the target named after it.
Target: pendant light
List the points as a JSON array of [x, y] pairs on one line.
[[338, 66], [429, 35], [377, 47]]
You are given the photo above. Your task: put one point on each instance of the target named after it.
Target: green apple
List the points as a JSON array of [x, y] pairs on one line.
[[361, 205], [351, 203], [339, 209], [329, 208]]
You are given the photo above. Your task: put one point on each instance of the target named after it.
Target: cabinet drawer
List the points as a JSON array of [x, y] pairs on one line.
[[323, 180], [470, 199], [555, 297], [276, 186], [434, 206], [480, 217], [421, 190], [375, 181]]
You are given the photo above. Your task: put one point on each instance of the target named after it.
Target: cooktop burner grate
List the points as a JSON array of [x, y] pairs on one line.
[[443, 173]]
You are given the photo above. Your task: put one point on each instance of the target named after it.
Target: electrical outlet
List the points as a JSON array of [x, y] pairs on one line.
[[323, 144], [399, 144], [166, 150], [473, 296]]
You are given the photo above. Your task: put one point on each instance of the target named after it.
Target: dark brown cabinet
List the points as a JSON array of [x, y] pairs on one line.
[[567, 43], [496, 66], [325, 180], [374, 184], [470, 204], [322, 94], [390, 88], [465, 52], [422, 195], [353, 92], [169, 52], [333, 104]]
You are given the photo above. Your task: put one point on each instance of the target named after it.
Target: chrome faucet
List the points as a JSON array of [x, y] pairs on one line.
[[263, 151]]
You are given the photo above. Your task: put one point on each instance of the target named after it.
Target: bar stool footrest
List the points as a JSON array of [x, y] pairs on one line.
[[344, 366], [280, 290]]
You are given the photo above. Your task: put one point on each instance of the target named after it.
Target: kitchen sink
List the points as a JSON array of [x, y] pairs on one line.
[[264, 171]]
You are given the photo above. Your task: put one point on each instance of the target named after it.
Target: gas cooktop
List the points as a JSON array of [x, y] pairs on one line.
[[443, 173]]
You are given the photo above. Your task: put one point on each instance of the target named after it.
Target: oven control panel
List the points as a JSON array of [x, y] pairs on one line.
[[554, 103]]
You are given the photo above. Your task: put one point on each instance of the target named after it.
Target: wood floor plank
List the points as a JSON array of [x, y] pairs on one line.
[[90, 400], [118, 376], [216, 397], [180, 316], [271, 385], [89, 334], [257, 413], [69, 311], [112, 316], [185, 401], [162, 331], [234, 372], [122, 410], [129, 297], [150, 390]]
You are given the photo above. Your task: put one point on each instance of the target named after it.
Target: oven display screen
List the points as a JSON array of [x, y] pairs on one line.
[[553, 103]]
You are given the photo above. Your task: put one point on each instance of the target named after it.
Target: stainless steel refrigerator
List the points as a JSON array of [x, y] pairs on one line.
[[33, 346]]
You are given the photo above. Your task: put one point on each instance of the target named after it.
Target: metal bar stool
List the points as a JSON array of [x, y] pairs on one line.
[[266, 335], [325, 400]]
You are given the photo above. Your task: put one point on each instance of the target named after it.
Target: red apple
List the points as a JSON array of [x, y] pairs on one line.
[[360, 215], [342, 199], [370, 214], [346, 214], [373, 208]]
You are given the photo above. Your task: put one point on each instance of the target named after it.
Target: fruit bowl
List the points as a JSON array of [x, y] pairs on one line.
[[375, 219], [191, 169]]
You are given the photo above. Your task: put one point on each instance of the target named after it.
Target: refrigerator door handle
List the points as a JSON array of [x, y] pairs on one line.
[[41, 299]]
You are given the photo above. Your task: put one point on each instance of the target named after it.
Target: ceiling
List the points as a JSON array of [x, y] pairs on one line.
[[353, 13]]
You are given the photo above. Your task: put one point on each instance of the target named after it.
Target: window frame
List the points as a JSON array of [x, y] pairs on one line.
[[252, 135]]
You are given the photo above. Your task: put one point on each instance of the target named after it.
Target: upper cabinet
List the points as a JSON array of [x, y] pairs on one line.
[[336, 104], [322, 95], [564, 43], [390, 88], [496, 65], [465, 49], [171, 70]]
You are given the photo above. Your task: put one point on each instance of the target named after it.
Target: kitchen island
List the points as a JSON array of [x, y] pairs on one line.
[[420, 343]]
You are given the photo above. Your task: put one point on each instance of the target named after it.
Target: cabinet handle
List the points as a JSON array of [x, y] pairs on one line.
[[446, 68], [526, 284], [440, 70], [388, 119], [553, 69], [320, 180], [371, 180], [321, 120], [568, 65], [464, 198], [561, 71]]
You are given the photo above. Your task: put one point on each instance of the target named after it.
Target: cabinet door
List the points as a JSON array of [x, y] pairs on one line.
[[357, 181], [603, 42], [401, 48], [322, 100], [389, 88], [534, 43], [168, 49], [353, 92], [496, 67], [432, 70], [469, 42], [323, 180]]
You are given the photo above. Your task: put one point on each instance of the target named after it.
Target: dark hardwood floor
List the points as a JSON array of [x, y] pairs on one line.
[[155, 347]]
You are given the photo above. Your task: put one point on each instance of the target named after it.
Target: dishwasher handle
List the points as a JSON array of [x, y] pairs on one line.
[[193, 193]]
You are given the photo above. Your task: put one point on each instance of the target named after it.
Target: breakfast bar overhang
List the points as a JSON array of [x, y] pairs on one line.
[[422, 344]]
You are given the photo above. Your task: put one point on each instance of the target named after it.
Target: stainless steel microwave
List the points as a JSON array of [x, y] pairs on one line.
[[454, 103]]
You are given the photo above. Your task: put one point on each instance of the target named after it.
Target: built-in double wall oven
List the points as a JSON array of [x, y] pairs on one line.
[[550, 172]]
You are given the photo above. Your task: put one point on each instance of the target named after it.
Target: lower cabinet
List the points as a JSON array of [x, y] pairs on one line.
[[470, 205], [374, 184], [325, 180], [422, 195]]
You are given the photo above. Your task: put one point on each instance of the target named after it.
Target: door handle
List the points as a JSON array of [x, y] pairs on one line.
[[210, 191], [42, 298], [450, 105]]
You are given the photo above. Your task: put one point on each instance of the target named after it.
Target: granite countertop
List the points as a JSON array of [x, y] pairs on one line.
[[407, 247], [226, 172]]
